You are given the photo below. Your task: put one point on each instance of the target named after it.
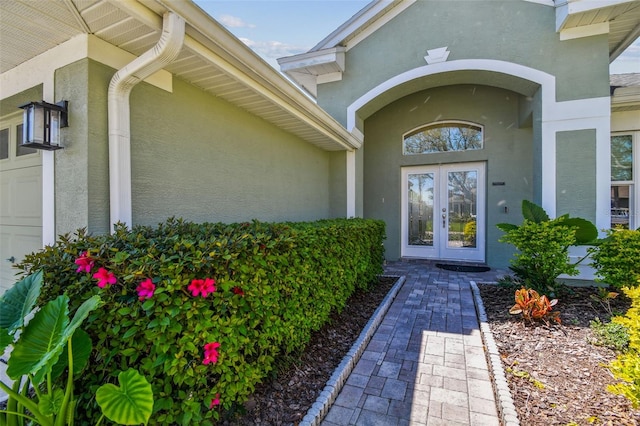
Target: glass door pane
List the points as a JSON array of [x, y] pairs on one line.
[[420, 209], [462, 193], [620, 206]]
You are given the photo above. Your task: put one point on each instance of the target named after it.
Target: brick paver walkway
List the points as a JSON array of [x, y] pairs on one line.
[[425, 365]]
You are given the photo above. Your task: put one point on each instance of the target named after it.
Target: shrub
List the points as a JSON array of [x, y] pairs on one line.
[[617, 258], [609, 334], [220, 303], [543, 254], [534, 307], [626, 367], [470, 233], [543, 247]]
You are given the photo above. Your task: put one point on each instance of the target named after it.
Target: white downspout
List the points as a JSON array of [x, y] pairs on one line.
[[162, 54]]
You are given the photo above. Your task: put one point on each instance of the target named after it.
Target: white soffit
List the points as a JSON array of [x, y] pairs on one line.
[[584, 18], [212, 59]]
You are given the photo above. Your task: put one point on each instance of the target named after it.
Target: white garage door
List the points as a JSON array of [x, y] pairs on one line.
[[20, 199]]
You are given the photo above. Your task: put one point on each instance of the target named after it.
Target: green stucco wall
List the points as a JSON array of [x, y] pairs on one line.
[[10, 105], [518, 32], [81, 169], [338, 184], [198, 157], [193, 156], [575, 174], [507, 153]]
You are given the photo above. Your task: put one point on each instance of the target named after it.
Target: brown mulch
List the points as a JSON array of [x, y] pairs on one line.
[[285, 399], [555, 375]]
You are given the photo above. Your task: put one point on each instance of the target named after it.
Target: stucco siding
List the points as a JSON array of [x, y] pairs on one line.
[[515, 32], [72, 163], [575, 174], [200, 158], [507, 152], [10, 105], [338, 183]]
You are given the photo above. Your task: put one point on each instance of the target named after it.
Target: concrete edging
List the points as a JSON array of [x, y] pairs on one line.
[[334, 385], [506, 408]]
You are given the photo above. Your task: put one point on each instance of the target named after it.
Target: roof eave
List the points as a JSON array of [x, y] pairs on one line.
[[247, 67]]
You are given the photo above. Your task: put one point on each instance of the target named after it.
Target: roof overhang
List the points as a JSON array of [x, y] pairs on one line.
[[212, 58], [583, 18]]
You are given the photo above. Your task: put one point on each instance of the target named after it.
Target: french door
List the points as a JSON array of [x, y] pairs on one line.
[[443, 212]]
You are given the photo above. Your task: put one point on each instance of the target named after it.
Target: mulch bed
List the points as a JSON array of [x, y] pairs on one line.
[[555, 375], [286, 398]]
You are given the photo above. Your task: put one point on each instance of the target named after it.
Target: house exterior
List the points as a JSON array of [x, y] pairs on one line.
[[169, 115], [438, 117], [465, 108]]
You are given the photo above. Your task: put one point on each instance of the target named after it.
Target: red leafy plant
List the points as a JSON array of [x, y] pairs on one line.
[[534, 307]]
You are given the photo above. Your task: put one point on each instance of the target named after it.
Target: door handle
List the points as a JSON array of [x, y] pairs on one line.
[[12, 259], [444, 220]]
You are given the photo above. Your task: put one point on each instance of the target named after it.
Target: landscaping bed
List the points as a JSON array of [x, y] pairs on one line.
[[556, 376], [285, 399]]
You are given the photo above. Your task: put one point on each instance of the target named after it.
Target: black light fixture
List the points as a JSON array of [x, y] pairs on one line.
[[42, 123]]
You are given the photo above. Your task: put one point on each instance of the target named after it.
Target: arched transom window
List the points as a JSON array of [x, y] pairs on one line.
[[442, 137]]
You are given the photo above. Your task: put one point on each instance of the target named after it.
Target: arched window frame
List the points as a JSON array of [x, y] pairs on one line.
[[445, 123]]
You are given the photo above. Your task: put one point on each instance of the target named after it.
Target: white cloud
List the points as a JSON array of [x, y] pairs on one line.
[[273, 49], [234, 22], [628, 61]]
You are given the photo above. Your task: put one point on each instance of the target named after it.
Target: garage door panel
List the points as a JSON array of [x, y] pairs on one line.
[[16, 242], [21, 197]]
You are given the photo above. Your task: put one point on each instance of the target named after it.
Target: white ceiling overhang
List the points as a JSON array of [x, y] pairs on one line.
[[582, 18], [211, 58]]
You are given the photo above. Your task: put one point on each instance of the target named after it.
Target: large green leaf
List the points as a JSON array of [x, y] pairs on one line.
[[533, 212], [586, 232], [50, 404], [81, 348], [506, 227], [5, 339], [45, 337], [18, 301], [129, 404]]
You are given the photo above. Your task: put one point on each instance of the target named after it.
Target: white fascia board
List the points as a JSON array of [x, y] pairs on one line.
[[379, 23], [309, 69], [626, 96], [584, 31], [360, 20], [36, 70], [334, 55]]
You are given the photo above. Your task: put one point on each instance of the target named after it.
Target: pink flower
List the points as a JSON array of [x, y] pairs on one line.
[[202, 287], [215, 401], [104, 277], [211, 353], [84, 262], [145, 289]]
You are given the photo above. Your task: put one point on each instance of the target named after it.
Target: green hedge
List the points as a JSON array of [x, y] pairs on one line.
[[617, 258], [275, 284]]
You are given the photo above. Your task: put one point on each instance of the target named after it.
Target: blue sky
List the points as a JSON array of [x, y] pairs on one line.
[[277, 28]]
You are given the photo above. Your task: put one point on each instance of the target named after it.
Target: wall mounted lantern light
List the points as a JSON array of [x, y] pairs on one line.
[[42, 123]]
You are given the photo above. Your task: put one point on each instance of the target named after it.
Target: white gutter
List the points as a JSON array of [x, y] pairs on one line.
[[163, 53]]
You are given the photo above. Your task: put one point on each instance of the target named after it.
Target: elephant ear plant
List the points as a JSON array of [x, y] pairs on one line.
[[46, 342], [543, 246]]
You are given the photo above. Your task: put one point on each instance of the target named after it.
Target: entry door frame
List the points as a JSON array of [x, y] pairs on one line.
[[440, 250]]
